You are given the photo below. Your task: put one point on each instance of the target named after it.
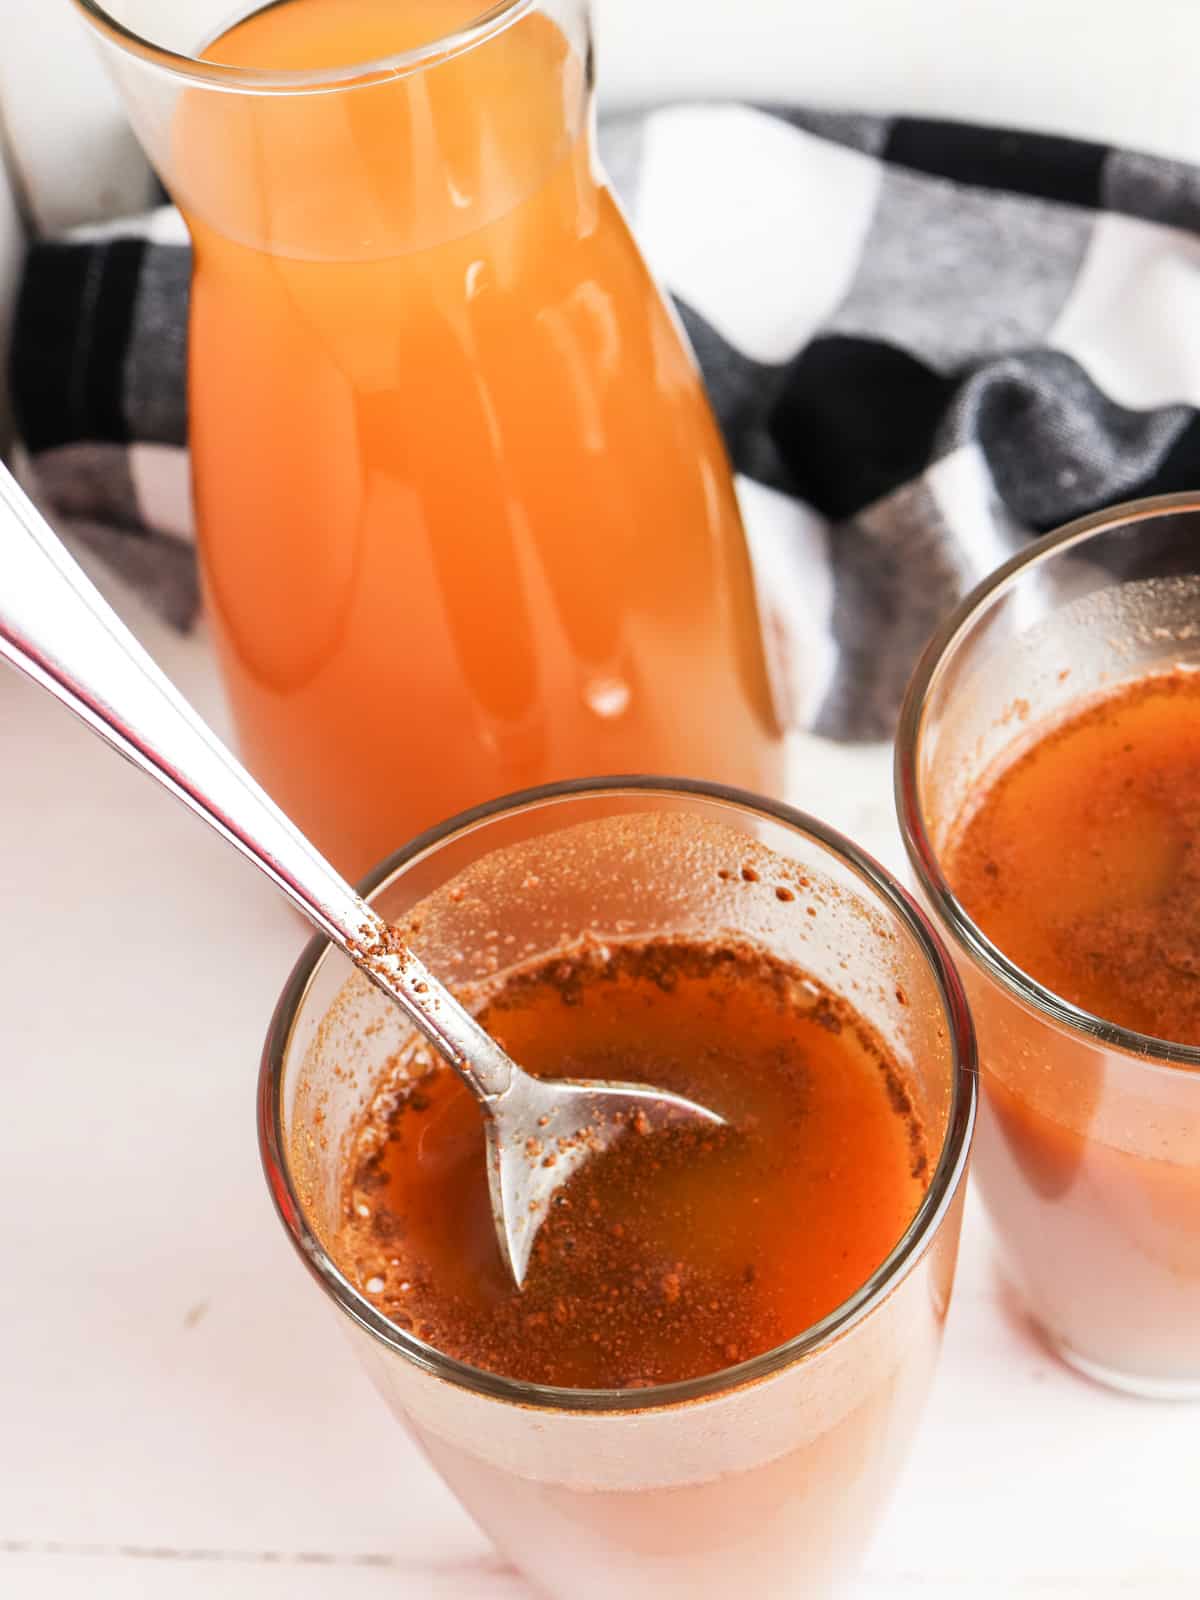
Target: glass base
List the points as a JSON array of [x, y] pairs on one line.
[[1126, 1382]]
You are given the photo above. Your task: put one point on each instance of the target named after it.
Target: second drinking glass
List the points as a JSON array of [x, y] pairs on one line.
[[1089, 1141]]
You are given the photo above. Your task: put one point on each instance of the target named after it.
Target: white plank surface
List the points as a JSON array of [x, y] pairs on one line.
[[180, 1414]]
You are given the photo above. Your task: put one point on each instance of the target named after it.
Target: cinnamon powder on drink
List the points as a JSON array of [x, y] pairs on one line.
[[677, 1252]]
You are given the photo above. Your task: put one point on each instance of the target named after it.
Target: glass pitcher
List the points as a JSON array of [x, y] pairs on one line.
[[466, 522]]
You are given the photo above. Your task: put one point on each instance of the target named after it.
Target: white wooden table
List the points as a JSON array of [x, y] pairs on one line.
[[179, 1412]]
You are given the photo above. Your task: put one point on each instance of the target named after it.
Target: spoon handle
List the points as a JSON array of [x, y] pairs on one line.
[[57, 629]]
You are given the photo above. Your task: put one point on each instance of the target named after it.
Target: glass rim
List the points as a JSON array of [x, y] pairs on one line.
[[491, 20], [944, 1184], [1152, 1053]]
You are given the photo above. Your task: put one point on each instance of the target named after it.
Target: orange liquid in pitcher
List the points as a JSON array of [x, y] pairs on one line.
[[466, 520]]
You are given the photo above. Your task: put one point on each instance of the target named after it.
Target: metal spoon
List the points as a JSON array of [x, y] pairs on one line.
[[56, 628]]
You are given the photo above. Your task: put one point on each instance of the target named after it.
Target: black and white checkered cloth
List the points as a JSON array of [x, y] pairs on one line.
[[925, 342]]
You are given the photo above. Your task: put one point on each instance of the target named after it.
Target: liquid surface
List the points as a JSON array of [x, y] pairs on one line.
[[458, 487], [1082, 864], [676, 1253]]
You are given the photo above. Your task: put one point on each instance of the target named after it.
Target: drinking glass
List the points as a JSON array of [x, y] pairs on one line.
[[458, 487], [1089, 1146], [763, 1479]]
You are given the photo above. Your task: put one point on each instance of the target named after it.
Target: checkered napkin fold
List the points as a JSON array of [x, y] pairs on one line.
[[926, 342]]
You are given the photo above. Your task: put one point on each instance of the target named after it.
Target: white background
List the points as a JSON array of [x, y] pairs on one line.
[[179, 1414]]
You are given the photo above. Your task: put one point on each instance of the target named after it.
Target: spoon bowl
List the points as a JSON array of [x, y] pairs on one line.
[[542, 1132], [538, 1131]]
